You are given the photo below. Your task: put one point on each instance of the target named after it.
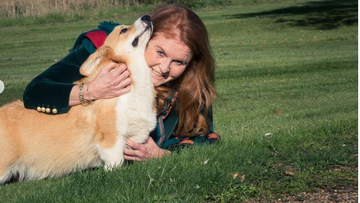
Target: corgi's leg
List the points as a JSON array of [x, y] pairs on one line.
[[110, 142], [8, 156], [5, 175], [7, 159], [113, 156]]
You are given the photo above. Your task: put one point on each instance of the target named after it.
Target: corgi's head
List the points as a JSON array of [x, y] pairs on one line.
[[126, 39], [125, 42]]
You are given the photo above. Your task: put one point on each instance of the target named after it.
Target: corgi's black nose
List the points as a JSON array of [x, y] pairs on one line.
[[146, 18]]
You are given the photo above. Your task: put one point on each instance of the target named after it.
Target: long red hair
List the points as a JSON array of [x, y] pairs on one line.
[[196, 86]]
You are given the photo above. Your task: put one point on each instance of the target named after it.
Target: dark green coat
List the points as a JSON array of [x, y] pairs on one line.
[[51, 89]]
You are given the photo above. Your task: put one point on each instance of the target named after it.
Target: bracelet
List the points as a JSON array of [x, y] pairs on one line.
[[81, 95]]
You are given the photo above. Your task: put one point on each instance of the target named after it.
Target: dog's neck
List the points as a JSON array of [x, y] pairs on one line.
[[139, 72]]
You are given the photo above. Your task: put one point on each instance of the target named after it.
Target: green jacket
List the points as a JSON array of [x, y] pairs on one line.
[[51, 89]]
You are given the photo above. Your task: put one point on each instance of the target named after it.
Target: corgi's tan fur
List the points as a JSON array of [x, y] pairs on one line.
[[36, 145]]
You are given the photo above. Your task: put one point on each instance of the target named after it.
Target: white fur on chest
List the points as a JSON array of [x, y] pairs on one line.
[[135, 116], [134, 111]]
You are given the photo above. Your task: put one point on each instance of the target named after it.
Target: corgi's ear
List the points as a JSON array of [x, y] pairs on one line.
[[93, 61]]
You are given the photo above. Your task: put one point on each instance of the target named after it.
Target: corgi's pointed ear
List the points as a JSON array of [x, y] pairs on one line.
[[93, 61]]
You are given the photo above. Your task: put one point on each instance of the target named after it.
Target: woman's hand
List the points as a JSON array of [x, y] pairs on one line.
[[112, 81], [141, 152]]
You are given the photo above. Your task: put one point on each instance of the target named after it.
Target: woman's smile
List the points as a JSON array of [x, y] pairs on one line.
[[158, 75]]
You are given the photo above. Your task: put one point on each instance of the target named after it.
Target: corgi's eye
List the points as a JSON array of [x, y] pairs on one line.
[[123, 30]]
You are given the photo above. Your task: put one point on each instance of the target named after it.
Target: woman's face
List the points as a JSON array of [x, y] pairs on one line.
[[166, 58]]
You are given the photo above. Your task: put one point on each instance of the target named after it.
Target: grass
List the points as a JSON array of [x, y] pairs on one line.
[[287, 110]]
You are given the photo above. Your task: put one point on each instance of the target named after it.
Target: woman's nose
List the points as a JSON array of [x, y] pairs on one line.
[[165, 65]]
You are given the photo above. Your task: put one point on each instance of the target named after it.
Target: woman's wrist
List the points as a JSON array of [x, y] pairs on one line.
[[83, 87], [89, 94]]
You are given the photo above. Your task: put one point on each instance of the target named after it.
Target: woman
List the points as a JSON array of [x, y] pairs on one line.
[[182, 66]]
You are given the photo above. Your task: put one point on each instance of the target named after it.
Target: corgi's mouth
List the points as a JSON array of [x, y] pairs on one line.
[[147, 27]]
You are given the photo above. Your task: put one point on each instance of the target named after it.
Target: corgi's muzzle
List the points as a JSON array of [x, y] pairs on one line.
[[143, 24]]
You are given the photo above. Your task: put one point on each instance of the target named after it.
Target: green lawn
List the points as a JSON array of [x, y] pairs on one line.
[[287, 77]]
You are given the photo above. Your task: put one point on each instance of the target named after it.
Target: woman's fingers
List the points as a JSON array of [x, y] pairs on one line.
[[144, 151], [120, 80], [112, 81]]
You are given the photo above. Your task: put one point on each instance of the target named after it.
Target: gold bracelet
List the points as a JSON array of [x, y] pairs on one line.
[[81, 95]]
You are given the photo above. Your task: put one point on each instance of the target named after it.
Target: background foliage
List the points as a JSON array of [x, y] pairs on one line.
[[37, 11]]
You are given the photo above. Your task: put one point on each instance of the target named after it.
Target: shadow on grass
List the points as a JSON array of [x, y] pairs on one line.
[[326, 14]]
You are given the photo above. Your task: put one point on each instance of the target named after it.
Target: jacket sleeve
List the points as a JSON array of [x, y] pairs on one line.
[[179, 142], [51, 89]]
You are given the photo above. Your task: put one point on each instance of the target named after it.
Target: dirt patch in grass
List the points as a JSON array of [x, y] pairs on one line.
[[341, 194], [331, 194]]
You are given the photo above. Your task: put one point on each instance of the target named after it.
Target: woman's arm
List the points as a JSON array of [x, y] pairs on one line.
[[150, 150], [51, 88], [54, 87]]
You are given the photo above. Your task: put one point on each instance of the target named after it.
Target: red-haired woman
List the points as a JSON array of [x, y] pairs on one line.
[[182, 66]]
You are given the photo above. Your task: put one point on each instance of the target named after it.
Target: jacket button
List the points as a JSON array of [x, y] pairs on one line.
[[54, 111], [38, 109], [43, 109], [47, 110]]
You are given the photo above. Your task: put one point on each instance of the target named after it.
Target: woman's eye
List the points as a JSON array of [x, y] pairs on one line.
[[123, 30], [160, 53], [180, 63]]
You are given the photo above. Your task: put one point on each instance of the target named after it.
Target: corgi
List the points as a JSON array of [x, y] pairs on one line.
[[35, 145]]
